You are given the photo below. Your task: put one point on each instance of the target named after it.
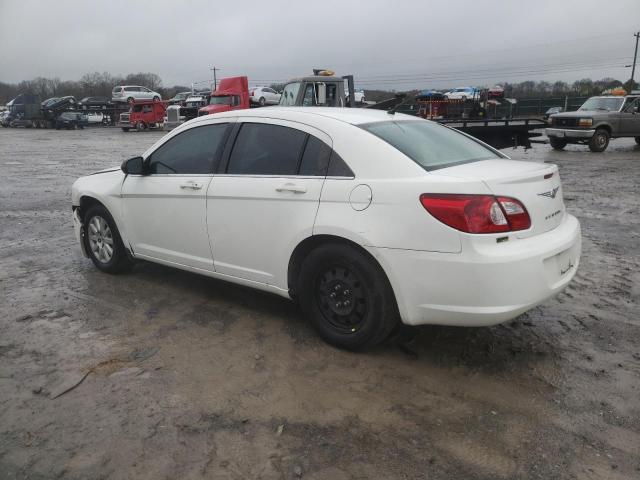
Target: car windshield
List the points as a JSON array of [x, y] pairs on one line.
[[609, 104], [290, 94], [221, 100], [430, 145]]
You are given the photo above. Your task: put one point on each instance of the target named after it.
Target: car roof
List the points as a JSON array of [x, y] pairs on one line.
[[354, 116]]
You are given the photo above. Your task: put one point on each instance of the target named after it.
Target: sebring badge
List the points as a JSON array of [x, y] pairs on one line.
[[550, 193]]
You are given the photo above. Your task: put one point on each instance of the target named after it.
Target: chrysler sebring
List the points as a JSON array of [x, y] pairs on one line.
[[367, 219]]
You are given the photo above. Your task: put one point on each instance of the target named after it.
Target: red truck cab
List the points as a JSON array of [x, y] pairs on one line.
[[143, 114], [232, 94]]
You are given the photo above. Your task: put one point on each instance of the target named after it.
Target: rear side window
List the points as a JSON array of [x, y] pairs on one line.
[[263, 149], [191, 152], [315, 159], [428, 144]]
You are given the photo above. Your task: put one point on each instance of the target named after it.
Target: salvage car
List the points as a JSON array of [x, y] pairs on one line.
[[366, 218], [461, 93], [129, 93], [71, 120], [264, 96], [597, 121], [94, 103]]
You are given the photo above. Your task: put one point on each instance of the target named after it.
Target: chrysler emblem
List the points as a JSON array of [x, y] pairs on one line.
[[550, 193]]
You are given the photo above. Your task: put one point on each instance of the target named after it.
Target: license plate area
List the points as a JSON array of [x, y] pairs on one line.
[[560, 267]]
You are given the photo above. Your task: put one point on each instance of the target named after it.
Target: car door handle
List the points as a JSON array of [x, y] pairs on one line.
[[290, 187], [191, 186]]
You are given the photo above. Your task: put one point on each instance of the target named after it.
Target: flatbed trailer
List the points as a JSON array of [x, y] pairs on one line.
[[499, 133]]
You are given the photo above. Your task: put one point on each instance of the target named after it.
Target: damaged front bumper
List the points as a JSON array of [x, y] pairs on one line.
[[79, 230]]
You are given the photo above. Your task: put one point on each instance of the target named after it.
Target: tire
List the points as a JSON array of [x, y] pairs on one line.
[[101, 236], [57, 127], [365, 310], [557, 143], [125, 129], [140, 126], [156, 98], [600, 141], [262, 101], [638, 140]]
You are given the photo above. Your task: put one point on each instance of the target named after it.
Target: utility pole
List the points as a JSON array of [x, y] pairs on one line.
[[215, 79], [635, 56]]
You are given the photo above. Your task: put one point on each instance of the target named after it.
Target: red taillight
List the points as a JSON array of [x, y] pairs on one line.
[[477, 213]]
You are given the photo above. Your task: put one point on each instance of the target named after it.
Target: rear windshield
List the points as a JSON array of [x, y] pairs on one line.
[[430, 145]]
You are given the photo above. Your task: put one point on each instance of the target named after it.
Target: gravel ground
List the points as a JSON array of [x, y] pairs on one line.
[[188, 377]]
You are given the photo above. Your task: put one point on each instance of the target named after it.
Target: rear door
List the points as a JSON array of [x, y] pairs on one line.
[[264, 200]]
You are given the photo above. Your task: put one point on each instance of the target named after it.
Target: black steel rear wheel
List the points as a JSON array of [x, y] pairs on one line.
[[341, 298], [346, 296]]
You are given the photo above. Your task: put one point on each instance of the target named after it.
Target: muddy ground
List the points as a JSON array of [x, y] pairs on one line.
[[186, 377]]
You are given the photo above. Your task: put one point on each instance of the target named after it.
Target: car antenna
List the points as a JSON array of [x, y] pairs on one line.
[[402, 97]]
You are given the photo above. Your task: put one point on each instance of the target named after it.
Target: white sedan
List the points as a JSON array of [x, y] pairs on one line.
[[264, 96], [367, 219]]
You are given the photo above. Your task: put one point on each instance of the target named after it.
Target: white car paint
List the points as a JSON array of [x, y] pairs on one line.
[[461, 93], [244, 228], [271, 97], [122, 93], [358, 95]]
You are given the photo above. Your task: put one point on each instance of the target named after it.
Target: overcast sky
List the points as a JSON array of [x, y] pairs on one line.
[[389, 44]]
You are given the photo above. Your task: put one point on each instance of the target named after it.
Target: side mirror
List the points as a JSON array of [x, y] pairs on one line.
[[133, 166]]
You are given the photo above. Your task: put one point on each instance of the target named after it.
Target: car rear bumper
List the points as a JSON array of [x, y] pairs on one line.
[[484, 284], [569, 133]]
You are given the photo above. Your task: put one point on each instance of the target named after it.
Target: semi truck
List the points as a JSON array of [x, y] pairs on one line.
[[143, 114], [25, 111]]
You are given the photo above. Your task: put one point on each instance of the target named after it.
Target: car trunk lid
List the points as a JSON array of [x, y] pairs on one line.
[[536, 185]]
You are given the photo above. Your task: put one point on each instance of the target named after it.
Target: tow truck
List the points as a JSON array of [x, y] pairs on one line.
[[325, 89]]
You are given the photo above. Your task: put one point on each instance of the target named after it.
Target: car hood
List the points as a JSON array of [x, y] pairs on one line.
[[106, 170], [215, 108], [582, 113]]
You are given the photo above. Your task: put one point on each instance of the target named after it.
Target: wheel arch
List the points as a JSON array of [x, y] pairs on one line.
[[311, 243], [605, 126], [88, 200]]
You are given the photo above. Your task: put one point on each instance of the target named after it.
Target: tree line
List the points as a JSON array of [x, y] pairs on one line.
[[90, 85], [101, 84]]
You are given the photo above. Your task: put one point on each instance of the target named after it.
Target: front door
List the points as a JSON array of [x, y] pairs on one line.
[[630, 118], [165, 210], [265, 199]]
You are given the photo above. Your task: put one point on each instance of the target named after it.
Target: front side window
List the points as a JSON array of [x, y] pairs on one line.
[[290, 94], [193, 151], [264, 149], [430, 145], [631, 104], [309, 99]]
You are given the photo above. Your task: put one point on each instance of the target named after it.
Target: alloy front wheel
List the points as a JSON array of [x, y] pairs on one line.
[[100, 239]]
